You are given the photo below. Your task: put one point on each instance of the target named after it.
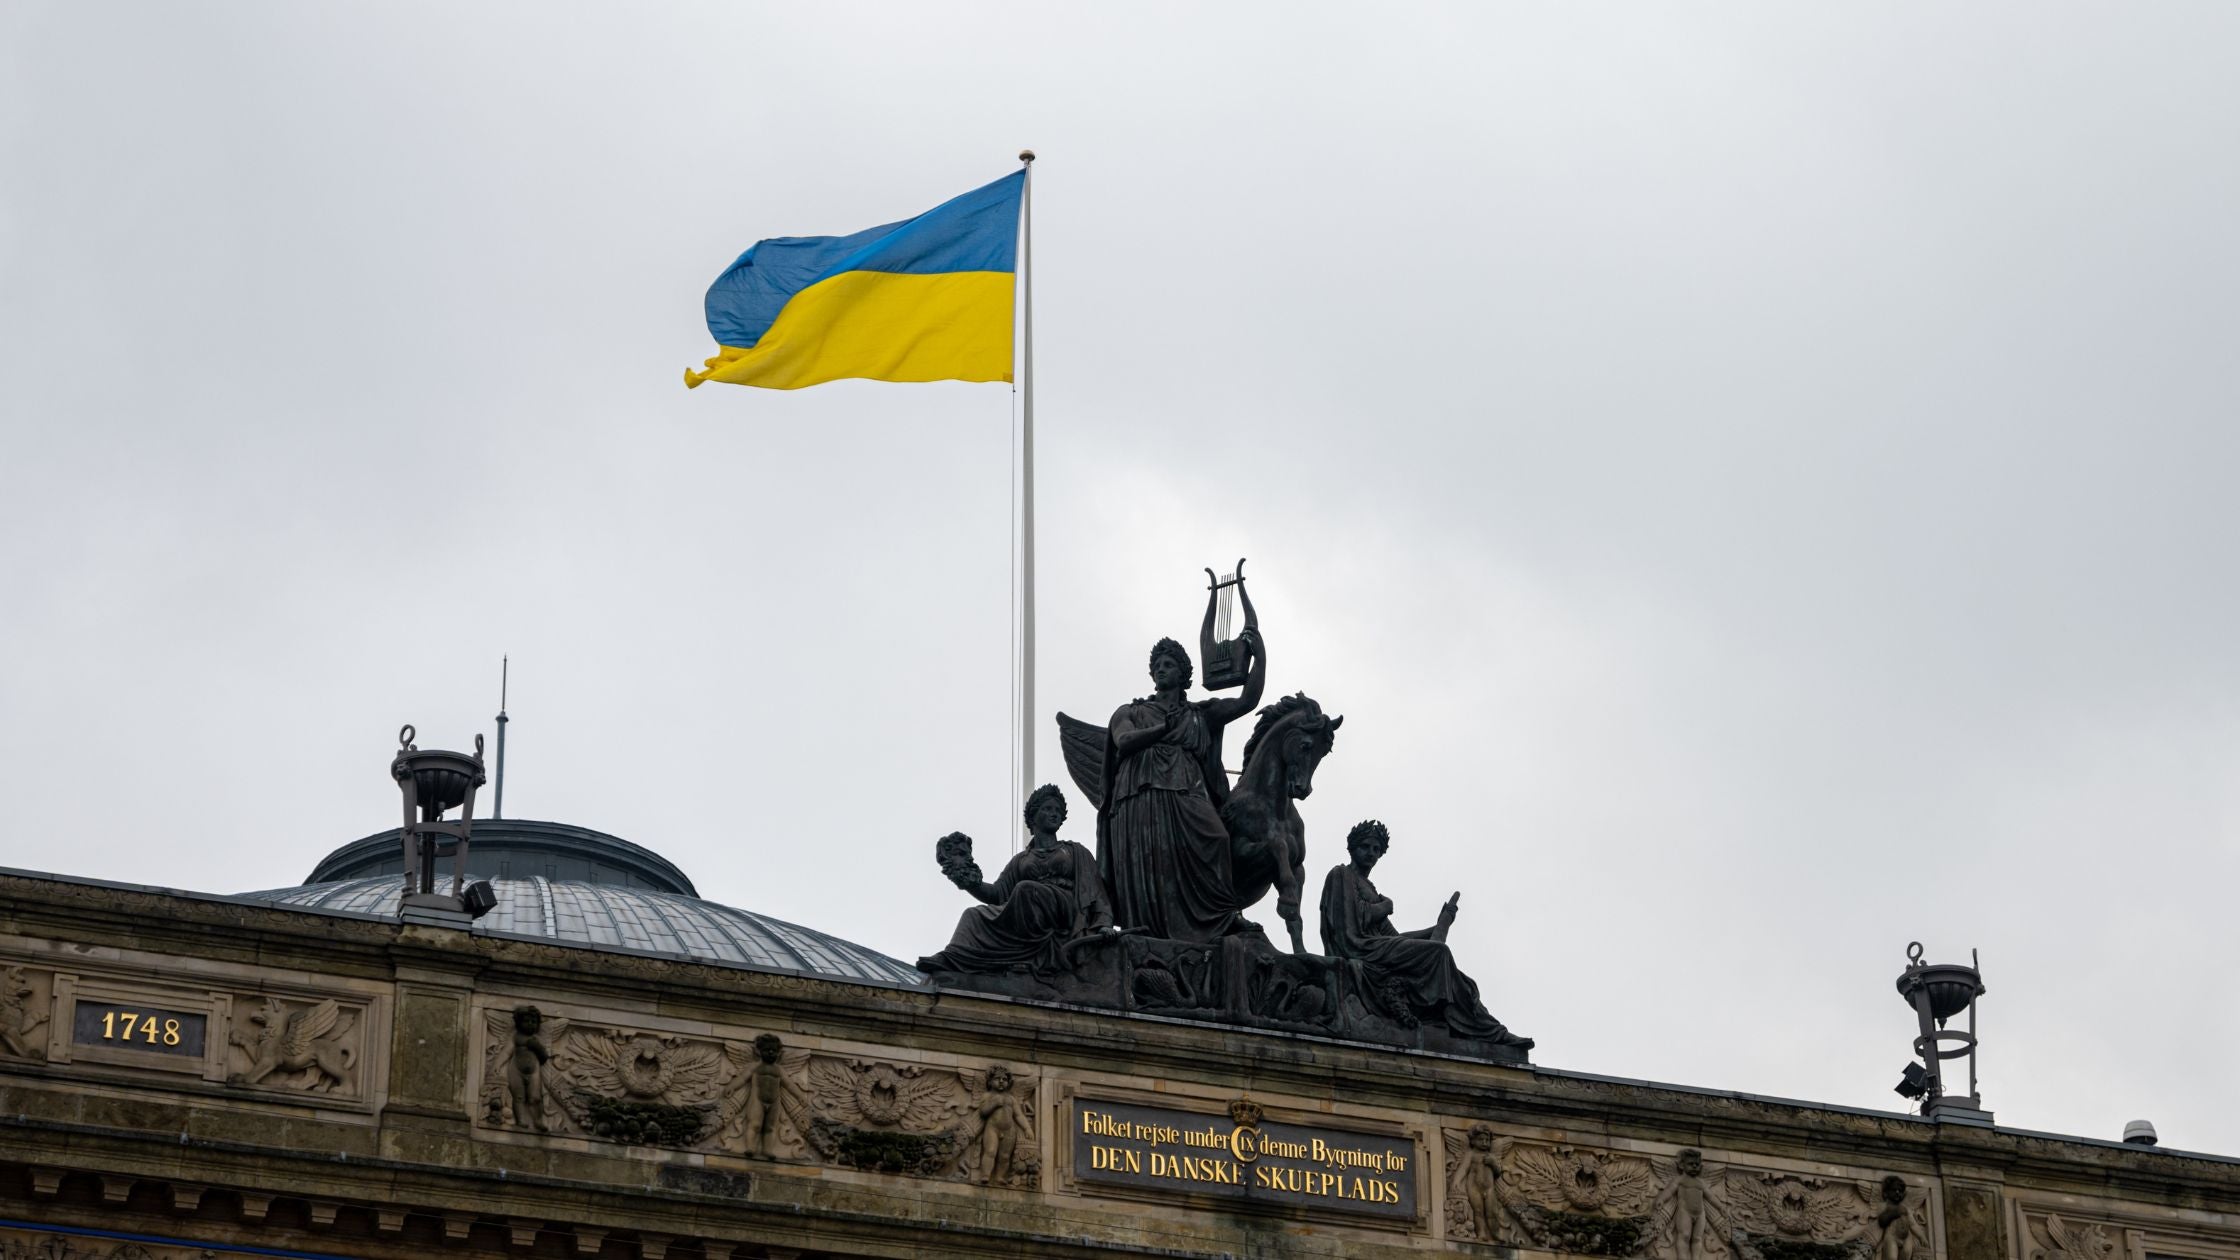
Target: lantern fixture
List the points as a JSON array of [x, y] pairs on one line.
[[1937, 992], [435, 781]]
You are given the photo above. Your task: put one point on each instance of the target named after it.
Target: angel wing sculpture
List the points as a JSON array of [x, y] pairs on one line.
[[1798, 1207], [880, 1095], [654, 1069], [1089, 759], [1568, 1180]]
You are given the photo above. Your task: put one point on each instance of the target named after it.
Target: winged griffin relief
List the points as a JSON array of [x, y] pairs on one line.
[[307, 1046], [2052, 1238], [22, 1001]]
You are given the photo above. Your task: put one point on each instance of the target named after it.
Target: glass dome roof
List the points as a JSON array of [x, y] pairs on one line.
[[576, 886]]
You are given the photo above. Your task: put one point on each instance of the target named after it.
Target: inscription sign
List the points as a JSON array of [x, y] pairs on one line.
[[151, 1030], [1280, 1165]]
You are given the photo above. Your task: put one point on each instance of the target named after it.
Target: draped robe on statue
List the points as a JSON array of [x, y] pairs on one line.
[[1047, 895], [1357, 925], [1163, 849]]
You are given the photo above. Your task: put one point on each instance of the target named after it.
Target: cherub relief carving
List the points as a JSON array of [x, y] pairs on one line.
[[1475, 1208], [20, 1020], [763, 1093], [517, 1068], [1689, 1220], [1902, 1226], [999, 1123], [305, 1048]]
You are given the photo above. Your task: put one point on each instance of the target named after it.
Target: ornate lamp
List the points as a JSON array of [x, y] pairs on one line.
[[435, 782], [1937, 992]]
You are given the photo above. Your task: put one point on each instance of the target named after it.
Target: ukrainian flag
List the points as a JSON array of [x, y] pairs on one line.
[[927, 299]]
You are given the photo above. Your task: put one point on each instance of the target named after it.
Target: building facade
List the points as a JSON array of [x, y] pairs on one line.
[[606, 1065]]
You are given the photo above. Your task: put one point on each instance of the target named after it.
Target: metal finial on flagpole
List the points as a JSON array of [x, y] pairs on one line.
[[1026, 482]]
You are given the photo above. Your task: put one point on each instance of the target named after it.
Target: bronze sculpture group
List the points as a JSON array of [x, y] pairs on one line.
[[1154, 919]]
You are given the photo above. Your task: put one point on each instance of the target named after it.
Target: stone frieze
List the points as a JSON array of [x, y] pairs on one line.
[[1579, 1201], [757, 1098]]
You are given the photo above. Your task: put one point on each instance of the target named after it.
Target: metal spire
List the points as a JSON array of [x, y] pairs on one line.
[[498, 806]]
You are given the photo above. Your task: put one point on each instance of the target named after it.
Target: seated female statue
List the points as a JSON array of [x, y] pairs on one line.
[[1047, 896], [1412, 973]]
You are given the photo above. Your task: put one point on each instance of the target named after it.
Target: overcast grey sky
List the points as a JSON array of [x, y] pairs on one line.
[[1755, 478]]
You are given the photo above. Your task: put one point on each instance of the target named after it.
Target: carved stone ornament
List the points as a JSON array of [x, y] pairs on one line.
[[1788, 1217], [640, 1088], [23, 1013], [1691, 1219], [294, 1044], [1561, 1198], [2052, 1238], [546, 1074], [1901, 1227], [959, 1124], [1475, 1209], [767, 1110]]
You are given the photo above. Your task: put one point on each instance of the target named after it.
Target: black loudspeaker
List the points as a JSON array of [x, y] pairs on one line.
[[480, 899]]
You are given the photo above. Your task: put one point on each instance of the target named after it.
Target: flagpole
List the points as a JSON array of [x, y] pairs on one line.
[[1026, 486]]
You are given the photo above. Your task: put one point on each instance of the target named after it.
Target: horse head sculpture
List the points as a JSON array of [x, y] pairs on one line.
[[1295, 732]]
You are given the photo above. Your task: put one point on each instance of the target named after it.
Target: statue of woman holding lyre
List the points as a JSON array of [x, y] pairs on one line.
[[1158, 782]]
